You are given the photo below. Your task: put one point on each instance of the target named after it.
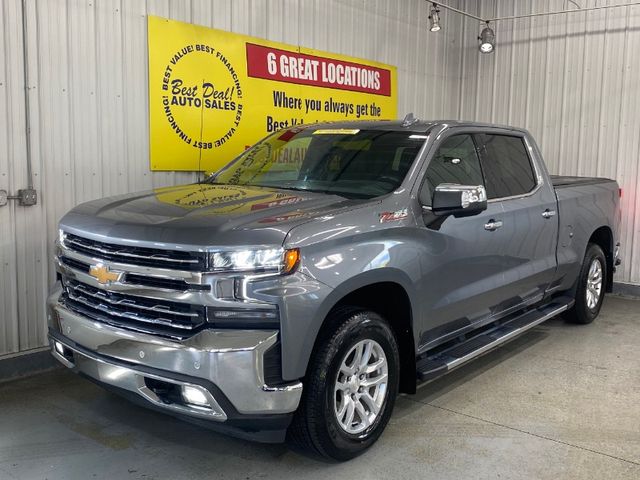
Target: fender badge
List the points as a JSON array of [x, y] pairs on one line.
[[393, 216]]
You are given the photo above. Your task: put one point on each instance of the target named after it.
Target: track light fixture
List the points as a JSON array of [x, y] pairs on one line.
[[434, 18], [488, 37], [487, 40]]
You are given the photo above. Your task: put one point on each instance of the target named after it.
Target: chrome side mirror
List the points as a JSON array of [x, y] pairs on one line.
[[459, 200]]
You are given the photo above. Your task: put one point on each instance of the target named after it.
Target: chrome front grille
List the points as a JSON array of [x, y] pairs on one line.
[[134, 279], [142, 256], [118, 286], [133, 312]]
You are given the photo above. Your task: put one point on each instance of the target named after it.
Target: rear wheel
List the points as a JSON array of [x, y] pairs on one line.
[[591, 286], [351, 387]]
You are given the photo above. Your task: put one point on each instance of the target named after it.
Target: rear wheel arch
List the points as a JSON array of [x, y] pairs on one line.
[[589, 286], [603, 237]]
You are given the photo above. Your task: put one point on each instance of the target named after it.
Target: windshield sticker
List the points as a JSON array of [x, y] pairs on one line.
[[336, 131], [290, 133], [393, 216]]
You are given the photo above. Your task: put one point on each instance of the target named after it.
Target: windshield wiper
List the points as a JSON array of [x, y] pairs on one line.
[[284, 187], [300, 189]]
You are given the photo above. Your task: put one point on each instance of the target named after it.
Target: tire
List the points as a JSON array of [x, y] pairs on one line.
[[316, 427], [587, 307]]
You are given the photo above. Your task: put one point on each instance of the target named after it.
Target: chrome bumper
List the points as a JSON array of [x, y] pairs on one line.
[[230, 360]]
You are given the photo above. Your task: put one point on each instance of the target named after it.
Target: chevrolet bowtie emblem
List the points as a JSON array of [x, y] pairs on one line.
[[103, 274]]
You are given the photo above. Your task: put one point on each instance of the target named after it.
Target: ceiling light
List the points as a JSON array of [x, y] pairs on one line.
[[434, 18], [487, 40]]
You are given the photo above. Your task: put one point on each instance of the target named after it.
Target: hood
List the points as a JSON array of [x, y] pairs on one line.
[[200, 216]]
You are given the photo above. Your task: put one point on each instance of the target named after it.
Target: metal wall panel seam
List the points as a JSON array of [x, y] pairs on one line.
[[628, 114], [8, 76]]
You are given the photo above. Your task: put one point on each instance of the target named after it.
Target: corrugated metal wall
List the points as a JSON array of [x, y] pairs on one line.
[[574, 81], [12, 153], [87, 69]]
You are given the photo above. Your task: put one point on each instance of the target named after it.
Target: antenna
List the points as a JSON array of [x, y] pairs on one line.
[[409, 120]]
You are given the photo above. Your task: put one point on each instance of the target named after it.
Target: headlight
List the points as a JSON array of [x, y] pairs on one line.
[[276, 260]]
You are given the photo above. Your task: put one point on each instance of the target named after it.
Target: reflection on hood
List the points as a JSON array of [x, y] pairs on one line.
[[202, 215], [225, 198]]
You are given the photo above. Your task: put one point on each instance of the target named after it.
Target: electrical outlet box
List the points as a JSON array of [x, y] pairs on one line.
[[27, 197]]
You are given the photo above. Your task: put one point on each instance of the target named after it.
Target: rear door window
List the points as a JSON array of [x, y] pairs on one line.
[[506, 165]]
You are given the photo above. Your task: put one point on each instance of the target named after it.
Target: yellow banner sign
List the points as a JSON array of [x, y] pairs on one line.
[[212, 93]]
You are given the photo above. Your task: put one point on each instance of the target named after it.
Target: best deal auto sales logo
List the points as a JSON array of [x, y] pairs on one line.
[[202, 96]]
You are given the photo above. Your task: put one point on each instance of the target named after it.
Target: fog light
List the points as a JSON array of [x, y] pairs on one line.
[[59, 348], [194, 396]]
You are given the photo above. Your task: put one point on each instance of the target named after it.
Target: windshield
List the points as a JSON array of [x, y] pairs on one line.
[[348, 162]]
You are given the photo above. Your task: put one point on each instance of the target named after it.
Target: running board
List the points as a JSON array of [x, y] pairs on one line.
[[434, 365]]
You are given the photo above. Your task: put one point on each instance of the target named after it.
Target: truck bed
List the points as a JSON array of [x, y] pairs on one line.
[[560, 181], [584, 205]]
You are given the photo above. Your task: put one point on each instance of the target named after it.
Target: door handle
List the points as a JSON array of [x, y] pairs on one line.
[[492, 225], [548, 213]]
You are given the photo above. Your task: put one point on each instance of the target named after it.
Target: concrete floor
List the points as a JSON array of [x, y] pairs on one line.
[[561, 402]]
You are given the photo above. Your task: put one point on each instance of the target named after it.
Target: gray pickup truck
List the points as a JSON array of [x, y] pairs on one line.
[[295, 292]]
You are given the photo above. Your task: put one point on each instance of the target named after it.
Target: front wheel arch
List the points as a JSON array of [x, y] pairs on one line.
[[392, 301], [315, 427]]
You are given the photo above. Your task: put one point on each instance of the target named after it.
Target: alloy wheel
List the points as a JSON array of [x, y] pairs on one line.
[[360, 386], [594, 284]]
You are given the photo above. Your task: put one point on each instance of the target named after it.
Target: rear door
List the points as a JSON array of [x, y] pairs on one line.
[[529, 216]]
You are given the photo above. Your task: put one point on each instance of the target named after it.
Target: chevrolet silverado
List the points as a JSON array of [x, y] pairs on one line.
[[294, 293]]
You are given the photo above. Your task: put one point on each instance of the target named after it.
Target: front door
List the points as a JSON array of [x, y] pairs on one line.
[[463, 273]]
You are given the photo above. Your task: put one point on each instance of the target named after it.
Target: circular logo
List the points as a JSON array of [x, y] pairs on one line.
[[202, 96], [210, 195]]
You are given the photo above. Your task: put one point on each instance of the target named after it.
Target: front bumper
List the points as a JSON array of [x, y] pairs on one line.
[[226, 366]]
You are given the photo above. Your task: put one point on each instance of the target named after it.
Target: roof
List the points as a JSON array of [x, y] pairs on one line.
[[421, 126]]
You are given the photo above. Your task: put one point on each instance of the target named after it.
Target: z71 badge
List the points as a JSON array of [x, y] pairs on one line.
[[392, 216]]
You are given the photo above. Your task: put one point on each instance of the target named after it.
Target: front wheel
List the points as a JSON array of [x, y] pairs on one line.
[[350, 388], [591, 286]]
